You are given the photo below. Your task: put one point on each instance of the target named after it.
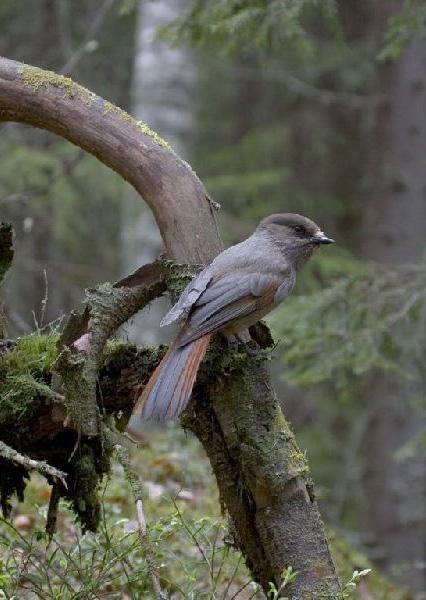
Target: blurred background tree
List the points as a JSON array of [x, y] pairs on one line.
[[317, 108]]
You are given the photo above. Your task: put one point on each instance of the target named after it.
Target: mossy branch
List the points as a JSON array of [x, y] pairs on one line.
[[28, 463], [108, 306], [32, 361]]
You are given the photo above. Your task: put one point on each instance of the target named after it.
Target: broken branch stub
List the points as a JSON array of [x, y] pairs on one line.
[[82, 343]]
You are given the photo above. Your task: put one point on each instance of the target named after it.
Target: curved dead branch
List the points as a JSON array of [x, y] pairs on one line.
[[180, 203]]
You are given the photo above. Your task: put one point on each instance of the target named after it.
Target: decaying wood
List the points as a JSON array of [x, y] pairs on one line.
[[262, 476], [6, 255], [83, 340], [6, 251]]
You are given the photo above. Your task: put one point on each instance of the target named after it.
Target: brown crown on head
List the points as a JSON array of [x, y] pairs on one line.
[[293, 222]]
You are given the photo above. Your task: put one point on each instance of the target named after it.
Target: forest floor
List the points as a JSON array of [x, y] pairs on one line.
[[187, 538]]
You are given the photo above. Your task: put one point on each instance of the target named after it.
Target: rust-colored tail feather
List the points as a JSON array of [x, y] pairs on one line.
[[169, 389]]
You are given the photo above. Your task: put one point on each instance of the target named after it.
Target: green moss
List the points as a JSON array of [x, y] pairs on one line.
[[259, 433], [31, 353], [116, 353], [90, 464], [297, 464], [113, 347], [24, 375], [36, 78], [139, 125], [148, 358], [178, 277]]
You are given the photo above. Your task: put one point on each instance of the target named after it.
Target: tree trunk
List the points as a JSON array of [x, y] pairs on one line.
[[394, 229], [262, 475]]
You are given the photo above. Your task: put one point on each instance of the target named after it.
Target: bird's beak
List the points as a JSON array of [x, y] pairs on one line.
[[321, 238]]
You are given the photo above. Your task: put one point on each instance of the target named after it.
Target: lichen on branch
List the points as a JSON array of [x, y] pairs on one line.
[[36, 78]]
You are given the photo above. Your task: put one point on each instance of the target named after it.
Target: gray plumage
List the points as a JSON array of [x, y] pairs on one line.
[[235, 273], [237, 289]]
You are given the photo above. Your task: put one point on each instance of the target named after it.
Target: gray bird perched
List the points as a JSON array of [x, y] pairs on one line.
[[239, 287]]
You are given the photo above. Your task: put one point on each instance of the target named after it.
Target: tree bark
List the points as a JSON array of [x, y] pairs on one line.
[[262, 476], [394, 226]]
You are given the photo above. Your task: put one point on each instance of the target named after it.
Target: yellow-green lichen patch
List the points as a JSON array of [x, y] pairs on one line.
[[297, 463], [36, 78], [139, 125]]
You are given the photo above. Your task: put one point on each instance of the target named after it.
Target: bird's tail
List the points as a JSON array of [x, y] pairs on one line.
[[169, 389]]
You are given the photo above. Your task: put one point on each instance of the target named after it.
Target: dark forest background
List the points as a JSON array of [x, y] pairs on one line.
[[300, 106]]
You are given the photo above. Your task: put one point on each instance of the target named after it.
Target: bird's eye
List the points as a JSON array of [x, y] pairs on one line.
[[299, 229]]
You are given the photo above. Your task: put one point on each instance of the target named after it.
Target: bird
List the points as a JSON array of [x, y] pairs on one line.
[[237, 289]]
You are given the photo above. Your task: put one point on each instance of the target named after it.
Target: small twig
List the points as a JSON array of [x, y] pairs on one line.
[[33, 465], [192, 535], [15, 318], [136, 488], [141, 517], [216, 535], [93, 29], [45, 299], [231, 579], [52, 511], [397, 316], [243, 587], [307, 90]]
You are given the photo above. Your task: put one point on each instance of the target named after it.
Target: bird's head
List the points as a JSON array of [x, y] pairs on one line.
[[295, 235]]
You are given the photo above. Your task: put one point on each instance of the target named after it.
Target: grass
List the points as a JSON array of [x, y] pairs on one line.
[[188, 548]]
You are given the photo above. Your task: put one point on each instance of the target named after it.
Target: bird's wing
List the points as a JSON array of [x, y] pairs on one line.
[[228, 299], [188, 297]]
